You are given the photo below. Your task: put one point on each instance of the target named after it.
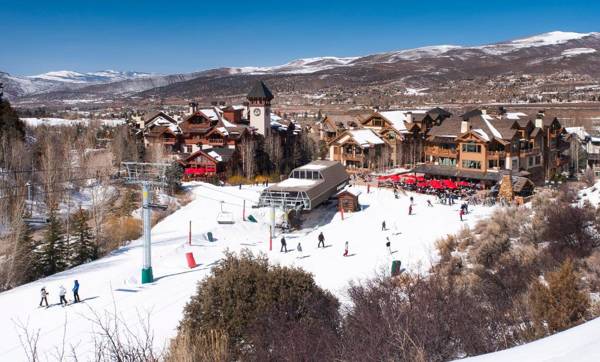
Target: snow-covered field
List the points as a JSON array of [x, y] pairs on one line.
[[113, 282]]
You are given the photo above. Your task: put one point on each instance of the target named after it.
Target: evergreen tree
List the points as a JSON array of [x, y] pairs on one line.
[[174, 174], [25, 268], [82, 246], [10, 124], [53, 250]]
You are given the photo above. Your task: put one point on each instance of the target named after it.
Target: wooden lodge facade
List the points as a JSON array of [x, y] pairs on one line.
[[483, 146], [475, 145], [381, 139]]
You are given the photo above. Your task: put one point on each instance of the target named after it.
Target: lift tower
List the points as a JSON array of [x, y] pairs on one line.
[[147, 175]]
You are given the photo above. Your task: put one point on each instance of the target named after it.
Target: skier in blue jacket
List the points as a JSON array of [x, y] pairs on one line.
[[76, 292]]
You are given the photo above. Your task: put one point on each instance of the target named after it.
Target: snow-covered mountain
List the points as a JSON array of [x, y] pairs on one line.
[[62, 80], [104, 76], [420, 67]]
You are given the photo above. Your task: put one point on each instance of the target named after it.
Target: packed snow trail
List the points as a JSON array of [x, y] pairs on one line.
[[112, 283]]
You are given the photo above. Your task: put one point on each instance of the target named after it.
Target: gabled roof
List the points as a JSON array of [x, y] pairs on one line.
[[157, 115], [365, 138], [438, 112], [159, 120], [260, 91], [398, 119], [485, 126]]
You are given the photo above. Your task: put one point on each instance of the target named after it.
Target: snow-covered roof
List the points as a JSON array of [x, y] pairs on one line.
[[487, 119], [365, 137], [515, 115], [296, 182], [223, 130], [211, 113], [215, 155], [482, 133], [312, 167], [580, 132], [352, 190], [397, 118]]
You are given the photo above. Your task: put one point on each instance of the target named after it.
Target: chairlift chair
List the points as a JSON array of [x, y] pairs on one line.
[[225, 217]]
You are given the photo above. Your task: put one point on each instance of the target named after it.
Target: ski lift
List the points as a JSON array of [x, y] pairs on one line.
[[29, 217], [225, 217]]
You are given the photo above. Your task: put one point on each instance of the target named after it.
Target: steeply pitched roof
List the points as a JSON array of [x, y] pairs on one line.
[[260, 91]]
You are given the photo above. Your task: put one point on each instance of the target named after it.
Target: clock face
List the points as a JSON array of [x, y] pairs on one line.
[[257, 112]]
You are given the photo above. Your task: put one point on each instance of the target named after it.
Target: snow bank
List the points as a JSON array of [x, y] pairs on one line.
[[578, 344]]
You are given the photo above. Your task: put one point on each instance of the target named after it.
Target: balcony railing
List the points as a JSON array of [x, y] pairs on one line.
[[438, 151], [496, 154]]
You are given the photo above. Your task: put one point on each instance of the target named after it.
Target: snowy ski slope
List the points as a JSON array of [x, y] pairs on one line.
[[112, 283]]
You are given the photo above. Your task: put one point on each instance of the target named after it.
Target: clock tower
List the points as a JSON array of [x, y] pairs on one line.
[[259, 100]]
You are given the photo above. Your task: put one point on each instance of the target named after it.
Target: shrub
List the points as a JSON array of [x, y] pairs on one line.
[[570, 230], [411, 318], [120, 230], [561, 304], [267, 312]]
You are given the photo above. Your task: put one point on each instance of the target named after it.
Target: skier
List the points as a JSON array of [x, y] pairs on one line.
[[429, 203], [321, 240], [410, 209], [61, 293], [346, 249], [283, 245], [388, 244], [411, 200], [395, 193], [299, 248], [461, 213], [44, 294], [383, 228], [76, 292]]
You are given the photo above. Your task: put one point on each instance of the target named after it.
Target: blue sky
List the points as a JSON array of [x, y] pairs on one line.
[[173, 36]]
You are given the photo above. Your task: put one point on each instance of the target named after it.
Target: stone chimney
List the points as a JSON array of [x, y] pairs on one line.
[[193, 107], [506, 188], [539, 119], [409, 117], [465, 126]]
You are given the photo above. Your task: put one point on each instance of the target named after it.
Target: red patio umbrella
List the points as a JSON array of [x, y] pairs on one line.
[[420, 178], [410, 181], [395, 178], [449, 184], [436, 184], [463, 183], [422, 184], [382, 178]]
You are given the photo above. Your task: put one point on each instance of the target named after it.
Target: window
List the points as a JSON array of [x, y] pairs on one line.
[[448, 146], [493, 163], [377, 122], [471, 164], [471, 147], [447, 161], [531, 161], [538, 160], [188, 148]]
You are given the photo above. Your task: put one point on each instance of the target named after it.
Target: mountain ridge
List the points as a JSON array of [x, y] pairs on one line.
[[417, 67]]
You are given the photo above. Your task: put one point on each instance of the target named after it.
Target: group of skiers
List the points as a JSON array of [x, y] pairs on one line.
[[321, 244], [62, 294]]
